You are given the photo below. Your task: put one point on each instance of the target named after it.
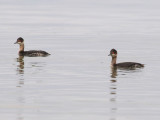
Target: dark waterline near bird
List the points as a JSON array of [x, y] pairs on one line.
[[30, 53], [125, 65]]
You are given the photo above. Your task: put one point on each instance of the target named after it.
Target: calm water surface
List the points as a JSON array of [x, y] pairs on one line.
[[76, 81]]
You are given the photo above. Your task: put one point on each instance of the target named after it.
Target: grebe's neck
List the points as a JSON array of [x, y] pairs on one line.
[[21, 47], [113, 62]]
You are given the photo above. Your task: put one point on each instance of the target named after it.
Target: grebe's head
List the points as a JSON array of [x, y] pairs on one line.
[[20, 40], [113, 53]]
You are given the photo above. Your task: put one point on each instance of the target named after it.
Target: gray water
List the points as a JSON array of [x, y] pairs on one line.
[[76, 81]]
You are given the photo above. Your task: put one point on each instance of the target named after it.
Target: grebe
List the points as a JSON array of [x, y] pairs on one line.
[[129, 65], [30, 53]]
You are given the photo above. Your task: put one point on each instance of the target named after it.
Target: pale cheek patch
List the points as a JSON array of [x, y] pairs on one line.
[[21, 43], [114, 55]]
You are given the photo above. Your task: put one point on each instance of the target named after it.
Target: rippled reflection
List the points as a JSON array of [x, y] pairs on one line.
[[20, 70], [20, 91], [113, 72], [20, 67], [113, 94], [32, 67]]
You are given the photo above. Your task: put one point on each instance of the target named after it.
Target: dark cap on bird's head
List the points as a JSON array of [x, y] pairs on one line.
[[19, 40], [113, 52]]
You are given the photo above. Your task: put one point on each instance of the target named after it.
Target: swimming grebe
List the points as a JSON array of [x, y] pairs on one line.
[[130, 65], [30, 53]]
